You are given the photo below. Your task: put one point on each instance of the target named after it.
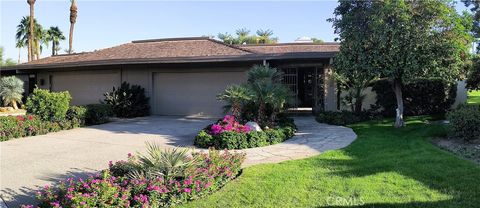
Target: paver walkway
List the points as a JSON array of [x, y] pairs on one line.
[[28, 163]]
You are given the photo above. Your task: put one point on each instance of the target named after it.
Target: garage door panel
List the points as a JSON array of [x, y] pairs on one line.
[[191, 93], [85, 88]]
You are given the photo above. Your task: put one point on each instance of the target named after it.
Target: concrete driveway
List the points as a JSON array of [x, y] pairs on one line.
[[28, 163]]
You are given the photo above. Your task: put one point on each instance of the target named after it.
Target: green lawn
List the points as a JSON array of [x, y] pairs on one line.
[[474, 97], [384, 167]]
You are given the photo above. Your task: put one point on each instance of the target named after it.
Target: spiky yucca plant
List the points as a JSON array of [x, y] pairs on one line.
[[11, 90]]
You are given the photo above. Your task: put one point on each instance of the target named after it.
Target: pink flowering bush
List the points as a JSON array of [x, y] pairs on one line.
[[228, 123], [228, 133], [115, 188], [28, 125]]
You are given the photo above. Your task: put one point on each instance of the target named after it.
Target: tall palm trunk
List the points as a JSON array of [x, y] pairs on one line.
[[31, 33], [73, 19], [53, 48], [19, 53]]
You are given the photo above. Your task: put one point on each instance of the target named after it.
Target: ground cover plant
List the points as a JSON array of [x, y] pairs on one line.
[[30, 125], [159, 178], [383, 167]]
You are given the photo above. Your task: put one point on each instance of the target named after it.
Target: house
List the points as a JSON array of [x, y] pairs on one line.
[[182, 76]]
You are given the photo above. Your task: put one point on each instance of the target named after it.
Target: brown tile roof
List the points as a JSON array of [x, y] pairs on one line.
[[293, 48], [173, 50]]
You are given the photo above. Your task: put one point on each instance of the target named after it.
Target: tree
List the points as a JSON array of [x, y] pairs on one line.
[[243, 37], [11, 89], [23, 35], [236, 96], [317, 40], [73, 20], [473, 79], [475, 9], [352, 68], [6, 62], [55, 35], [20, 44], [410, 39], [31, 37]]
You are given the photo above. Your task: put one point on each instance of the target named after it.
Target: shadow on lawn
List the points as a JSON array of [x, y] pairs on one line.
[[26, 195], [381, 149]]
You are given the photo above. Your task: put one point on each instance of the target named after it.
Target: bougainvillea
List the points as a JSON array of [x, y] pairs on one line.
[[228, 123], [209, 173]]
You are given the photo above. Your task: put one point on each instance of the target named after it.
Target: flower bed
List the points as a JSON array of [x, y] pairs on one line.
[[115, 187], [29, 125], [228, 133]]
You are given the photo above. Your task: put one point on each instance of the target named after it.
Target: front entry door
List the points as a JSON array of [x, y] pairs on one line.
[[306, 87]]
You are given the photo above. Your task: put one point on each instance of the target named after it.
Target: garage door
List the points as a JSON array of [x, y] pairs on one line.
[[191, 93], [85, 88]]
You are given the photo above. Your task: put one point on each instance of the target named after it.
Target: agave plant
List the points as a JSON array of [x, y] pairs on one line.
[[11, 90], [157, 162]]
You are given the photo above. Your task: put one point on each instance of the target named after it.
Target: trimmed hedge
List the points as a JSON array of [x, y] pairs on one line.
[[97, 113], [239, 140], [421, 97], [29, 125], [465, 122], [49, 106]]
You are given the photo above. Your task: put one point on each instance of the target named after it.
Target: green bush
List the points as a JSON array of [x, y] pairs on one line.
[[128, 101], [49, 106], [342, 118], [465, 122], [97, 114], [76, 115], [421, 97], [29, 125], [239, 140]]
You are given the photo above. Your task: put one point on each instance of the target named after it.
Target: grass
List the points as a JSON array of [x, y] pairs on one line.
[[474, 97], [384, 167]]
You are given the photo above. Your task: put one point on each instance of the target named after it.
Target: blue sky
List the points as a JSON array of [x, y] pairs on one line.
[[102, 24]]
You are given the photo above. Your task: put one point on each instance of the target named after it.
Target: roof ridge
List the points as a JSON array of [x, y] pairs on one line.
[[231, 46], [171, 39], [284, 44]]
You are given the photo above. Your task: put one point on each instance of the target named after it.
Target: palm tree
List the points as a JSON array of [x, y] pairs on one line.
[[73, 19], [31, 36], [236, 96], [20, 44], [11, 90], [242, 34], [264, 36], [267, 89], [55, 35], [23, 35]]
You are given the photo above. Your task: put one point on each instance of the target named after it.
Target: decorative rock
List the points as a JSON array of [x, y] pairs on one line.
[[253, 126]]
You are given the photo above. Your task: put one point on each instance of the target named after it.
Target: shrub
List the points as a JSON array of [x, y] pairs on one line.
[[210, 172], [76, 115], [29, 125], [11, 90], [97, 113], [128, 101], [342, 118], [236, 137], [465, 122], [421, 97], [49, 106]]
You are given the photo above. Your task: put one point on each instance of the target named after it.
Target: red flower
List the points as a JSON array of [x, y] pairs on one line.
[[20, 118], [30, 117]]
